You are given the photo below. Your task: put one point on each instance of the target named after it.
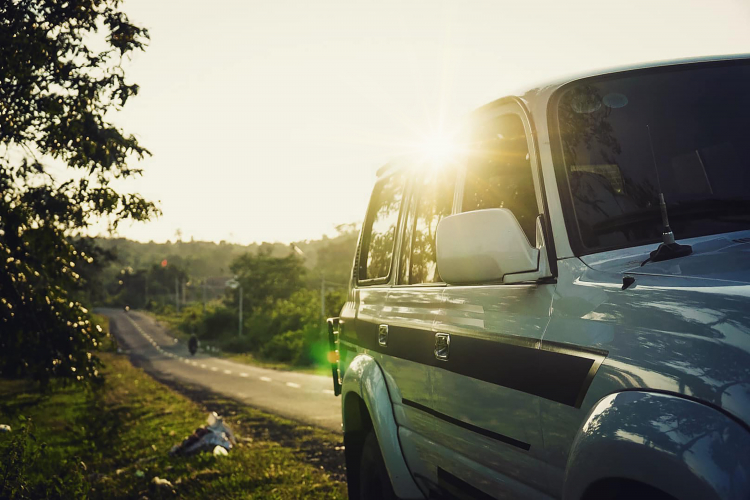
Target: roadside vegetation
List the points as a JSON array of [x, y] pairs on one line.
[[282, 288], [62, 167], [113, 440]]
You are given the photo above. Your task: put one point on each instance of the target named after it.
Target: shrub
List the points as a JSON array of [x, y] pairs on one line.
[[192, 319], [285, 347], [216, 323], [237, 344]]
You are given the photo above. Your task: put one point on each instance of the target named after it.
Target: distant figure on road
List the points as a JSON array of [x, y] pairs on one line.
[[193, 344]]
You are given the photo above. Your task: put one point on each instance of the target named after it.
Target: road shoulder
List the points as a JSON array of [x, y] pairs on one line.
[[116, 443]]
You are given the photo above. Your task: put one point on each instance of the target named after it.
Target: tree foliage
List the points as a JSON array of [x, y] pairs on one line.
[[265, 279], [62, 74]]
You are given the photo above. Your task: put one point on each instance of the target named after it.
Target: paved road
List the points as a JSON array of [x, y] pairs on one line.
[[300, 396]]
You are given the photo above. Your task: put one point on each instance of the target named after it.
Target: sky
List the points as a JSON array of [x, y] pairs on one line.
[[267, 120]]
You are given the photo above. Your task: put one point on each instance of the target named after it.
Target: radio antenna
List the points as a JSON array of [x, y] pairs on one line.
[[668, 249]]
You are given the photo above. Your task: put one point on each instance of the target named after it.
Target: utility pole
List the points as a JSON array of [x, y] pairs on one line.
[[240, 310], [177, 293], [322, 301], [234, 285]]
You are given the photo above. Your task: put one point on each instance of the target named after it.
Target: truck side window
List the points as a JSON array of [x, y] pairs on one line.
[[434, 201], [499, 172], [380, 228]]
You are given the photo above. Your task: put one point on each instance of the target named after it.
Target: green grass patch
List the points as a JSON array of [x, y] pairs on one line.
[[112, 442]]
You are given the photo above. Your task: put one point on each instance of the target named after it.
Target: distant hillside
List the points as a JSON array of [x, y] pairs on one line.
[[330, 257]]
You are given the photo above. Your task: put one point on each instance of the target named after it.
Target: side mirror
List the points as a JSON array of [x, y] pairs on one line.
[[488, 245]]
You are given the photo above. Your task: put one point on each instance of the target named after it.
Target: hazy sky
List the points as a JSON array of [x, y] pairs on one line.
[[268, 119]]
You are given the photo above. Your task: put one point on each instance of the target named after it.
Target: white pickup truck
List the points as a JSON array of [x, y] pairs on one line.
[[562, 309]]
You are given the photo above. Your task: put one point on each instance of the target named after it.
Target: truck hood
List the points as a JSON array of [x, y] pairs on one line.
[[723, 258]]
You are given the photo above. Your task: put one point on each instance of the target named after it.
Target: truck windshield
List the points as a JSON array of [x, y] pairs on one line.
[[690, 123]]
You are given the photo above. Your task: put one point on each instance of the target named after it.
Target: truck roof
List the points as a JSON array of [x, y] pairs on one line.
[[536, 96]]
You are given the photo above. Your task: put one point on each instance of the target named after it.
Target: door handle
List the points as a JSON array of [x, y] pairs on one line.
[[442, 346], [383, 335]]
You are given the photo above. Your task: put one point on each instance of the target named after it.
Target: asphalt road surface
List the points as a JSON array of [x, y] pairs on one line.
[[304, 397]]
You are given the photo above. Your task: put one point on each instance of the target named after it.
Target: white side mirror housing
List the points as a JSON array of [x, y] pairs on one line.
[[488, 246]]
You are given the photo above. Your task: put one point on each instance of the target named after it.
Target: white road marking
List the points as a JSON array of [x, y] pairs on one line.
[[213, 368]]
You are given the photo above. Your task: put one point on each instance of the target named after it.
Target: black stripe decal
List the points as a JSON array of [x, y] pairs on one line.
[[557, 372], [466, 425], [458, 488]]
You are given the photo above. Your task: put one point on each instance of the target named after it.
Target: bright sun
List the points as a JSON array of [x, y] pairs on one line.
[[438, 149]]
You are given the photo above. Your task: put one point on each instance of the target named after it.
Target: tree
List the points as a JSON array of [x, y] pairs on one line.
[[266, 279], [335, 256], [62, 74]]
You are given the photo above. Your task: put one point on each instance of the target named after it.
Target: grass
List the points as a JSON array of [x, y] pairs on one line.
[[113, 442]]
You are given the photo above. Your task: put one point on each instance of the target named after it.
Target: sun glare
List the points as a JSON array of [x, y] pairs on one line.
[[438, 149]]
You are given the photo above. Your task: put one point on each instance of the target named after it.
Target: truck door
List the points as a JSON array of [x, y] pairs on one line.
[[386, 321], [410, 314], [487, 337]]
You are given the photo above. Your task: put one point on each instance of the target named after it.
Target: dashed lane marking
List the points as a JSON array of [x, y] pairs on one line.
[[292, 384], [214, 369], [228, 372], [329, 391], [243, 374], [265, 379]]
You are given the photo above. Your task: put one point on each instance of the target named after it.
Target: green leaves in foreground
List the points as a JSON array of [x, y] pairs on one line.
[[61, 75]]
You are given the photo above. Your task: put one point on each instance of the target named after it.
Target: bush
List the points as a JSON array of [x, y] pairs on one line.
[[237, 344], [286, 347], [296, 312], [160, 307], [259, 328], [303, 347], [191, 320], [287, 331], [215, 324]]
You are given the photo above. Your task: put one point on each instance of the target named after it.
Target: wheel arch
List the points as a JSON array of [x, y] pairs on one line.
[[366, 404], [681, 447]]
